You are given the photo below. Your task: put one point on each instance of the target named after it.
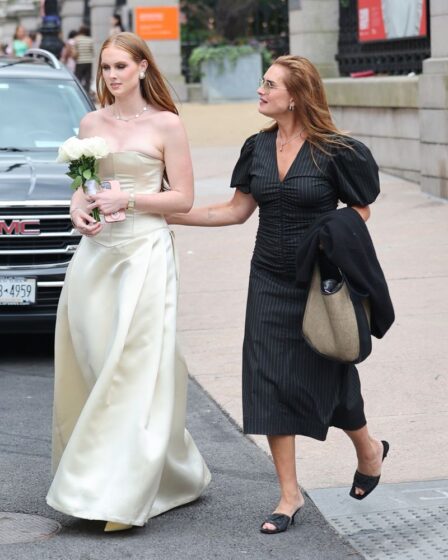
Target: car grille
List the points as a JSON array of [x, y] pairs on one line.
[[46, 302], [55, 244]]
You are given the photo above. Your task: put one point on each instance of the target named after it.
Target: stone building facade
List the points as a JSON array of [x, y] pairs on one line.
[[14, 12], [403, 119]]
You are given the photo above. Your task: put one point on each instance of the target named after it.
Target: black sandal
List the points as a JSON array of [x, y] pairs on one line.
[[365, 482], [281, 522]]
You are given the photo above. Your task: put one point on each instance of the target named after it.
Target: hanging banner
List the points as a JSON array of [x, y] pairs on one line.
[[380, 20], [156, 24]]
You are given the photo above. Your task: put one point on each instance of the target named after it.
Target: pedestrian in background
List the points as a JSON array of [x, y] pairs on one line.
[[69, 53], [295, 171], [21, 41], [36, 39], [116, 25], [84, 60]]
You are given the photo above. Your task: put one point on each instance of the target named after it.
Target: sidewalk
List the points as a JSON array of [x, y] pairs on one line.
[[405, 381]]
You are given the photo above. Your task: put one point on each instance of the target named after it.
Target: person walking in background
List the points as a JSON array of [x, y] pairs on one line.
[[295, 171], [116, 25], [84, 60], [21, 41], [69, 53]]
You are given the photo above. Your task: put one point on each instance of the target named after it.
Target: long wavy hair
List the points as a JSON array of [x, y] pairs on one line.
[[311, 110], [153, 87]]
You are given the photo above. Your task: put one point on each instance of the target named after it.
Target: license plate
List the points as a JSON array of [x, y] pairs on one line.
[[17, 290]]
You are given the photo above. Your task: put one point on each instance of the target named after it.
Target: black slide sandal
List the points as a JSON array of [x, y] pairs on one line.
[[365, 482]]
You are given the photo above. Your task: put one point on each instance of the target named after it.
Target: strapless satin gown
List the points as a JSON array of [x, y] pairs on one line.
[[120, 448]]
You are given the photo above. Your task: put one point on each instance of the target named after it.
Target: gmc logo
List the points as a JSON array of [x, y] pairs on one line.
[[19, 227]]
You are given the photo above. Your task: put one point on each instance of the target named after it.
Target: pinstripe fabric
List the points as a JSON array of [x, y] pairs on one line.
[[287, 388]]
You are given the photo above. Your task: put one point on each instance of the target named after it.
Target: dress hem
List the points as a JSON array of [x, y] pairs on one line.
[[320, 435], [81, 514]]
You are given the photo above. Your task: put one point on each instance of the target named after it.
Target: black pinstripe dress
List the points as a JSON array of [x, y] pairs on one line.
[[287, 388]]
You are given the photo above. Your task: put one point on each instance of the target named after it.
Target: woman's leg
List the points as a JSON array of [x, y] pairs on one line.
[[284, 455], [369, 452]]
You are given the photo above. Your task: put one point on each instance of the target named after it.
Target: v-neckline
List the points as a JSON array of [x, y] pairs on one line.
[[292, 163]]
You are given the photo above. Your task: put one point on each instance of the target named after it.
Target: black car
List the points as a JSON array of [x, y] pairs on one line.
[[41, 105]]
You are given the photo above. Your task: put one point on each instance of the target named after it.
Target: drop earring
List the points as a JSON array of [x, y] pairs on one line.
[[142, 76], [291, 107]]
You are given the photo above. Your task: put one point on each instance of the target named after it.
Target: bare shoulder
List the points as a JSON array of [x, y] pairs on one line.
[[90, 121], [168, 121], [87, 123]]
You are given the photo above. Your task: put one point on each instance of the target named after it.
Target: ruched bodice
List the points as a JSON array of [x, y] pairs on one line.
[[313, 185], [120, 381]]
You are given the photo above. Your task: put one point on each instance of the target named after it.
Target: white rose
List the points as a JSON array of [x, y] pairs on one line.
[[71, 149], [62, 155], [95, 147]]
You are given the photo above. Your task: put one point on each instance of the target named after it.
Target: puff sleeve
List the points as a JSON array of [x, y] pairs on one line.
[[354, 173], [241, 175]]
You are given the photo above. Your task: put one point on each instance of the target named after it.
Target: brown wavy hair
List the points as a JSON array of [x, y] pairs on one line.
[[305, 86], [153, 87]]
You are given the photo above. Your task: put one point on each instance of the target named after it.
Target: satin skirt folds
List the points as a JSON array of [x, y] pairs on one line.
[[120, 448]]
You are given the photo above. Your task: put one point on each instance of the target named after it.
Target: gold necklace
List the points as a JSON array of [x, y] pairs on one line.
[[283, 144], [120, 118]]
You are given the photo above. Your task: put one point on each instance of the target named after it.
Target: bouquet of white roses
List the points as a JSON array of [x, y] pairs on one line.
[[82, 156]]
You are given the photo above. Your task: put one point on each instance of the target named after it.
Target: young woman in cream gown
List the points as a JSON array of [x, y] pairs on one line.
[[121, 452]]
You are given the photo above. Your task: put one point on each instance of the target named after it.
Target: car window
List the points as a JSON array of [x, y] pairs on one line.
[[37, 113]]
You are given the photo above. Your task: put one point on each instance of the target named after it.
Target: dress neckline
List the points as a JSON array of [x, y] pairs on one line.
[[136, 152], [293, 163]]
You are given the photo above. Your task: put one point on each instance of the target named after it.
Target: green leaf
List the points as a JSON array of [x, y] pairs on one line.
[[87, 174], [76, 183]]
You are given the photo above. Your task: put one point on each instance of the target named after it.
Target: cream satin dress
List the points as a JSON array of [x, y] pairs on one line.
[[120, 448]]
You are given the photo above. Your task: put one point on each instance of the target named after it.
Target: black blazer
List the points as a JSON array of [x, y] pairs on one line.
[[344, 238]]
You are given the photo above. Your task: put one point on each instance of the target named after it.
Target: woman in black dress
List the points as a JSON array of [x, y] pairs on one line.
[[295, 171]]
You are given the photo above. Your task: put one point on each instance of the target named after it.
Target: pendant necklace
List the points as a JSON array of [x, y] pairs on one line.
[[283, 144], [120, 118]]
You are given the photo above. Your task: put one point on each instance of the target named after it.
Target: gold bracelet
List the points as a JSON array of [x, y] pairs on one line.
[[131, 201]]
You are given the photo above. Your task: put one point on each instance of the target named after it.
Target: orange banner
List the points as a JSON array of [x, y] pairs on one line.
[[157, 24], [379, 20]]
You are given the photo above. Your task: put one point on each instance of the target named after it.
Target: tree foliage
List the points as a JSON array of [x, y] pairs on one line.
[[229, 20]]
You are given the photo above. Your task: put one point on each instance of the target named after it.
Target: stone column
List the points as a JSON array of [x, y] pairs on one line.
[[433, 98], [100, 14], [4, 35], [25, 12], [71, 16], [167, 52], [314, 31]]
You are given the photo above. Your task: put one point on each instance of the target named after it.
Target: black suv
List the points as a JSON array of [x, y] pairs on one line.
[[41, 104]]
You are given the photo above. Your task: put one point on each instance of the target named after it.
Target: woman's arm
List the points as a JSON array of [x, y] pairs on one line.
[[179, 198], [235, 211], [363, 211], [79, 205]]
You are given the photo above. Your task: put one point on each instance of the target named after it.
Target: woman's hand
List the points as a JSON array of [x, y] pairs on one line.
[[108, 201], [84, 223]]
